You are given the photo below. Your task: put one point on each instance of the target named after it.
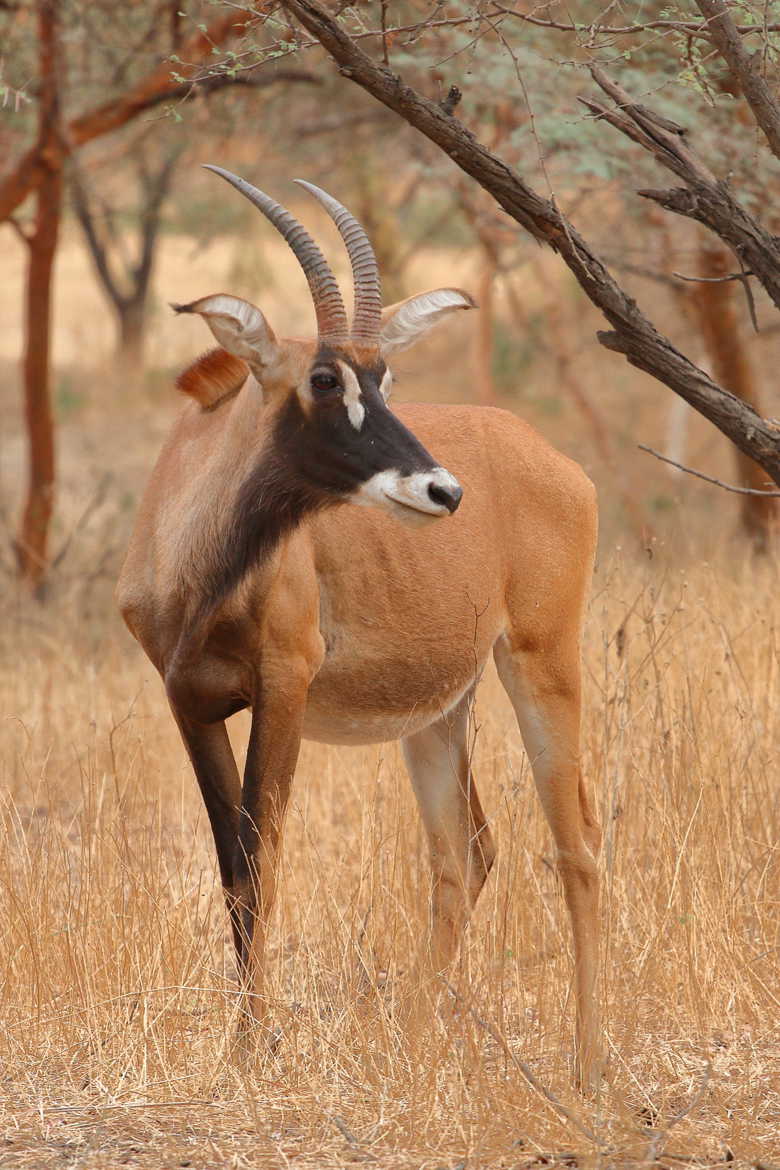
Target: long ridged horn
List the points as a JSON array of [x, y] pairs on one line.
[[365, 270], [331, 315]]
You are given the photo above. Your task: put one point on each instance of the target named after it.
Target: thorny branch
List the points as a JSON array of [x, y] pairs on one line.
[[712, 279], [742, 277], [696, 28], [632, 333], [704, 198], [492, 14], [729, 487], [744, 68]]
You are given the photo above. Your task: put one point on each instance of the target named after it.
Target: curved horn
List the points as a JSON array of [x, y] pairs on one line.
[[365, 271], [328, 305]]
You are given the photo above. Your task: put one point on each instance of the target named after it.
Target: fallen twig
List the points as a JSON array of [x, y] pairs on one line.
[[525, 1069], [652, 1149]]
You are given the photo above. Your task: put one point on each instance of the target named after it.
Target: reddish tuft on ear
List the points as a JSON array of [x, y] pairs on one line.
[[212, 377]]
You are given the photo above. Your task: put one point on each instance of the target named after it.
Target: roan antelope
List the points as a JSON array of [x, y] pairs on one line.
[[247, 586]]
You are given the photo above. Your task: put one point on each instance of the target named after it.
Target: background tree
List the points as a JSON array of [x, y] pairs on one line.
[[127, 54], [521, 75], [41, 240], [664, 45], [124, 268]]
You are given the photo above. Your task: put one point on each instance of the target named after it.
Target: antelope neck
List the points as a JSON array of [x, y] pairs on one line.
[[271, 501], [317, 452]]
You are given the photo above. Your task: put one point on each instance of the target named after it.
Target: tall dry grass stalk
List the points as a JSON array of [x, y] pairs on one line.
[[117, 992]]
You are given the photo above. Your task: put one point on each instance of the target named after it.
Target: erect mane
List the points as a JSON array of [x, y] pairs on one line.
[[212, 377]]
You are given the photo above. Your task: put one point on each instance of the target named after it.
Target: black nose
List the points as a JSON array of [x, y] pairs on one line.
[[449, 497]]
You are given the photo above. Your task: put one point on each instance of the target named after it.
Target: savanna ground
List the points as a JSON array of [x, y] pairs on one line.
[[117, 992]]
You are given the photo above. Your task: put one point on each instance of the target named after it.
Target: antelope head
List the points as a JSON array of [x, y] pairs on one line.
[[334, 436]]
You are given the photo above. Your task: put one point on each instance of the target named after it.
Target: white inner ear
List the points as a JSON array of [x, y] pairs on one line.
[[412, 319], [386, 385], [238, 326]]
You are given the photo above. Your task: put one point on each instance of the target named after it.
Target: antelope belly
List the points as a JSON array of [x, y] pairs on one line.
[[357, 702], [333, 726]]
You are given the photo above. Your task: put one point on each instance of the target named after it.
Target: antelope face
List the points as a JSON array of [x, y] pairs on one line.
[[333, 435], [350, 444]]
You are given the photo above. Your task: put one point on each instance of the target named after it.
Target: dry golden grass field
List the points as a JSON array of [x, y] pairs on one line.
[[117, 989]]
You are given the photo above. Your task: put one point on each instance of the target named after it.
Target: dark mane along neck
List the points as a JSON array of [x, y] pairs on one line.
[[272, 501]]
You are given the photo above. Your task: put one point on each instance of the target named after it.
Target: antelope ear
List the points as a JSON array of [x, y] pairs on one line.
[[239, 327], [409, 320]]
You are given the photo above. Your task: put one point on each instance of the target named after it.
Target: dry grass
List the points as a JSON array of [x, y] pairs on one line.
[[116, 984]]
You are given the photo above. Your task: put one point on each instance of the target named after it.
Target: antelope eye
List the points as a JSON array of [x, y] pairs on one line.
[[324, 382]]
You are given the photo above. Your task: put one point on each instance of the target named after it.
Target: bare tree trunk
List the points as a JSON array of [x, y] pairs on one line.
[[721, 328], [484, 337], [131, 334], [40, 170], [32, 540]]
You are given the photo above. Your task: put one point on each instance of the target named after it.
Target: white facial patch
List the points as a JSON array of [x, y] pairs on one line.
[[377, 490], [390, 489], [356, 411], [386, 385]]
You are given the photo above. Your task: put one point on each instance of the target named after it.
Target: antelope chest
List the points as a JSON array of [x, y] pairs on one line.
[[406, 630], [385, 681]]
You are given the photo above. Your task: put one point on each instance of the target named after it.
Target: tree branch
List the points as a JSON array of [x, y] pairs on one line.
[[696, 28], [632, 333], [712, 279], [153, 89], [155, 188], [97, 248], [742, 277], [24, 235], [704, 198], [729, 487], [744, 69]]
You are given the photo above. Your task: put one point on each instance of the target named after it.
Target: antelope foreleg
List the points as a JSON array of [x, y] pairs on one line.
[[272, 754], [214, 765]]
